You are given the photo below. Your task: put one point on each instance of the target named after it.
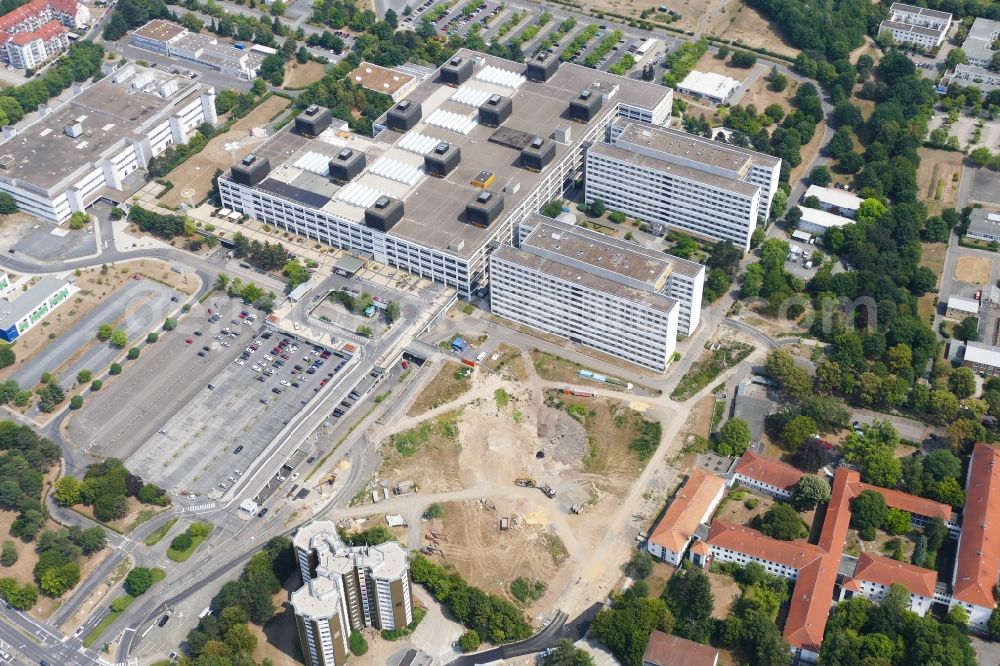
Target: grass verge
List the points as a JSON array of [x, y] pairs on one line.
[[157, 535], [183, 555]]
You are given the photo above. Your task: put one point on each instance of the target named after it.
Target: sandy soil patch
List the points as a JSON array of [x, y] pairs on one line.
[[298, 75], [193, 179], [761, 96], [938, 178], [451, 381], [427, 453], [932, 255], [974, 270], [726, 591], [744, 25], [490, 558], [510, 363], [94, 287]]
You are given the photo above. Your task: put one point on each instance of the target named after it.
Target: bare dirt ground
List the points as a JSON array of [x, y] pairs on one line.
[[490, 558], [510, 363], [94, 287], [298, 75], [932, 255], [937, 172], [193, 179], [726, 591], [761, 96], [450, 382], [974, 270], [434, 464], [878, 545], [743, 25]]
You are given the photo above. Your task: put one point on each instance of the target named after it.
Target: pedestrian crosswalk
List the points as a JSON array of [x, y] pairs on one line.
[[199, 507]]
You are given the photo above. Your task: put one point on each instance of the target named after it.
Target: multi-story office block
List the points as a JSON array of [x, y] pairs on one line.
[[444, 223], [671, 178], [605, 293], [916, 25], [346, 589], [86, 148]]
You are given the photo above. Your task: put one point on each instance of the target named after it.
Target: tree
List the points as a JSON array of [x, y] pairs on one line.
[[469, 641], [133, 353], [625, 628], [76, 402], [181, 542], [968, 330], [84, 376], [782, 522], [392, 311], [169, 324], [897, 521], [690, 600], [956, 57], [7, 356], [567, 654], [7, 204], [119, 338], [597, 208], [810, 456], [641, 565], [50, 395], [115, 369], [941, 464], [743, 59], [8, 555], [104, 332], [964, 433], [868, 512], [962, 382], [810, 491], [138, 581], [67, 491], [359, 645], [798, 430], [820, 176], [734, 437], [152, 337], [948, 491]]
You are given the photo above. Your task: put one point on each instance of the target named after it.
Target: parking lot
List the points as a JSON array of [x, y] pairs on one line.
[[203, 449], [140, 306]]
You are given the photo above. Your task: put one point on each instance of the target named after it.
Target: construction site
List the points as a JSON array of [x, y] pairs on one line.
[[524, 477]]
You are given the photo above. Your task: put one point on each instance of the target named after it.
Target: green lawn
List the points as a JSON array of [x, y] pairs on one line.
[[183, 555], [106, 622], [157, 535]]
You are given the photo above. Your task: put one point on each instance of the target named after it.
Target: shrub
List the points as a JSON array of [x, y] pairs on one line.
[[169, 324], [434, 511], [152, 337], [357, 643], [138, 581], [133, 353], [96, 385], [8, 555], [182, 541], [76, 402], [115, 369], [527, 591], [84, 376], [469, 641]]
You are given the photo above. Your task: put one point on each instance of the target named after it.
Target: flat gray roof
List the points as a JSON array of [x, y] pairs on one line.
[[434, 207], [14, 311], [922, 11], [687, 146], [689, 173], [984, 221], [977, 44], [43, 156], [605, 252], [909, 27], [587, 279]]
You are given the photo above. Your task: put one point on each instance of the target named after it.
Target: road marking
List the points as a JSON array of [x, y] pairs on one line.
[[200, 507]]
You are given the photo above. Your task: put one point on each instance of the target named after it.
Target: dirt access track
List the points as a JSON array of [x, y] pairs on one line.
[[193, 179]]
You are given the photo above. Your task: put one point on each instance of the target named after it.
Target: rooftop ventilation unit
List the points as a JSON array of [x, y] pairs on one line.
[[73, 130], [537, 154], [384, 213], [404, 116], [251, 170], [484, 209], [443, 160], [401, 172], [542, 67], [585, 107], [312, 124], [471, 96], [495, 111], [347, 165], [456, 71]]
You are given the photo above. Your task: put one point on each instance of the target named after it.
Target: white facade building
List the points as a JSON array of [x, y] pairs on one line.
[[916, 25], [978, 44], [834, 200], [816, 221], [667, 177], [709, 85], [431, 233], [70, 156], [36, 32], [602, 292]]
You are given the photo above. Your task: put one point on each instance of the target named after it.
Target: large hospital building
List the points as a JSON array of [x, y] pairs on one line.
[[78, 151]]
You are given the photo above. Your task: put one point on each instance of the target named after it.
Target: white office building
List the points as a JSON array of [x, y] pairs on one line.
[[834, 200], [714, 87], [706, 188], [85, 148], [818, 222], [452, 169], [605, 293], [909, 24], [978, 44]]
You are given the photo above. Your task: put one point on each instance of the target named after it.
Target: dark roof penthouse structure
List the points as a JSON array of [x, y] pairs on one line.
[[471, 151]]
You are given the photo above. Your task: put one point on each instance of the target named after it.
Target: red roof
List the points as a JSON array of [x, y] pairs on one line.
[[48, 31], [886, 571], [742, 539], [685, 513], [768, 470], [667, 650], [33, 8], [978, 563], [912, 503]]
